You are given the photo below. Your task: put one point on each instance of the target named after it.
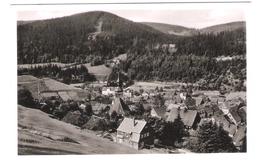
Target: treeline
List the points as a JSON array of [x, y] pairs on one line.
[[68, 75]]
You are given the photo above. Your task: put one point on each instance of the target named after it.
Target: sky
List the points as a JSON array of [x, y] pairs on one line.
[[188, 18]]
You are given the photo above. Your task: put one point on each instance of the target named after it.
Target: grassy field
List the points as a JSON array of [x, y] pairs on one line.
[[49, 85], [40, 134], [101, 72]]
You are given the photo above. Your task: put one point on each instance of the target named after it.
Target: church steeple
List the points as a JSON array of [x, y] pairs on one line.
[[119, 90]]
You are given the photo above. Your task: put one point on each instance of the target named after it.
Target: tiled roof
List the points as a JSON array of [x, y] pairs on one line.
[[188, 117], [160, 111], [130, 125], [199, 100]]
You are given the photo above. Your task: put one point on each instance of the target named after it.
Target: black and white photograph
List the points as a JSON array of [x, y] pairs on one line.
[[153, 84], [131, 81]]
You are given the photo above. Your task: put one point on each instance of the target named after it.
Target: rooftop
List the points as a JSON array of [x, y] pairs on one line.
[[130, 125]]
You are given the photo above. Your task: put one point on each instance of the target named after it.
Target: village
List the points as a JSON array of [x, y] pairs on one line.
[[137, 115]]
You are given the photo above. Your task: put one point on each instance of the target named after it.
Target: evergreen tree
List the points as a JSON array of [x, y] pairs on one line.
[[213, 138], [25, 98], [173, 132], [179, 129]]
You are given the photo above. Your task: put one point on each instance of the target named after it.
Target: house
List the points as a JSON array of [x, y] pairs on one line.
[[199, 100], [217, 99], [119, 106], [177, 99], [82, 107], [108, 91], [128, 93], [233, 112], [190, 118], [171, 106], [133, 133], [242, 113], [214, 99], [145, 95], [158, 112], [227, 126], [183, 95], [221, 99], [190, 102]]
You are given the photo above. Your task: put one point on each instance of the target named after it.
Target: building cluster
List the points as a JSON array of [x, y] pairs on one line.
[[160, 104]]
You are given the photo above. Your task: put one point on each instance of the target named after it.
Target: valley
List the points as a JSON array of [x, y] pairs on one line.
[[98, 83]]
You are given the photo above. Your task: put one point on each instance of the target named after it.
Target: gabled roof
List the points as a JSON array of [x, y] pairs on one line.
[[177, 99], [160, 111], [214, 99], [199, 100], [64, 96], [242, 113], [234, 112], [171, 106], [130, 125], [119, 106], [188, 116]]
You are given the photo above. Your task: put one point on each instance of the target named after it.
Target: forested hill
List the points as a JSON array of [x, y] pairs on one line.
[[81, 36], [172, 29], [224, 27], [151, 54]]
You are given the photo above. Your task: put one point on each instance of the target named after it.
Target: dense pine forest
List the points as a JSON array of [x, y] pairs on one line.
[[151, 54]]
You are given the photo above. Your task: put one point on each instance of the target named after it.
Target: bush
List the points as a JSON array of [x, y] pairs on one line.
[[25, 98]]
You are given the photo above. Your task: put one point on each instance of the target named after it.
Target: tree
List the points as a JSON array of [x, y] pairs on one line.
[[25, 98], [168, 137], [88, 109], [158, 100], [190, 102], [173, 132], [213, 138], [179, 129]]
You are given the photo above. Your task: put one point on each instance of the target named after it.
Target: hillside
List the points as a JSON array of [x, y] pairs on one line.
[[40, 134], [171, 29], [93, 38], [224, 27], [35, 85], [81, 37]]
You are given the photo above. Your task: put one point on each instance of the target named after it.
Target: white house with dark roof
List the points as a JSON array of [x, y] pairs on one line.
[[134, 133]]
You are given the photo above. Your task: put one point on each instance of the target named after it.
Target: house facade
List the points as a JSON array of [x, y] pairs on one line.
[[108, 91], [134, 133]]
